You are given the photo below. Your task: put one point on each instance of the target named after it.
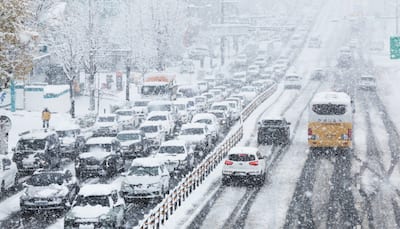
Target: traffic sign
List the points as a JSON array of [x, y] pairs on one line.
[[394, 47]]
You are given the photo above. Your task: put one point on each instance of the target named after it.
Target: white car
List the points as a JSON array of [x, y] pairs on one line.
[[203, 86], [239, 79], [261, 61], [183, 110], [177, 156], [246, 163], [223, 106], [253, 70], [235, 108], [106, 125], [292, 81], [241, 60], [154, 133], [367, 82], [249, 92], [211, 121], [8, 174], [127, 118], [146, 178], [198, 136], [267, 73], [140, 107], [217, 93], [201, 103], [164, 119]]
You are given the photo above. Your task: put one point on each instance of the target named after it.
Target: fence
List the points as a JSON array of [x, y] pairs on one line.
[[161, 213]]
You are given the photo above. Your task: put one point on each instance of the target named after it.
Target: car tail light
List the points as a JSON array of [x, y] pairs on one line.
[[253, 163], [309, 131], [228, 162], [350, 133]]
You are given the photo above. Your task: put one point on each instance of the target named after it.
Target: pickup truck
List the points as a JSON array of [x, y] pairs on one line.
[[273, 130]]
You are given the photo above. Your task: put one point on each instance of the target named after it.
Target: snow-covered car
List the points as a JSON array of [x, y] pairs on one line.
[[245, 163], [224, 90], [292, 81], [127, 118], [188, 91], [249, 92], [203, 86], [146, 178], [367, 82], [164, 106], [241, 60], [238, 79], [8, 174], [267, 73], [49, 190], [164, 119], [187, 66], [217, 93], [133, 144], [106, 125], [140, 107], [210, 97], [37, 149], [235, 109], [182, 108], [225, 107], [261, 61], [101, 157], [71, 140], [177, 156], [154, 133], [96, 206], [198, 136], [212, 123], [201, 103], [222, 117]]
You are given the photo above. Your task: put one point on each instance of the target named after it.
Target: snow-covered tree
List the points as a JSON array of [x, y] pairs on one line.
[[16, 40]]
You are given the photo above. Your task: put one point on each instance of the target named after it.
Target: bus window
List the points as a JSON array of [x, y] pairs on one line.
[[329, 109]]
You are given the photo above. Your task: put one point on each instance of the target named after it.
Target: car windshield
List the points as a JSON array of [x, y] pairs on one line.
[[180, 107], [171, 150], [97, 148], [368, 79], [292, 78], [242, 157], [158, 118], [149, 129], [67, 133], [205, 121], [164, 107], [192, 131], [248, 89], [46, 179], [124, 113], [106, 119], [218, 114], [143, 171], [219, 107], [128, 137], [140, 103], [92, 201], [272, 122], [31, 144]]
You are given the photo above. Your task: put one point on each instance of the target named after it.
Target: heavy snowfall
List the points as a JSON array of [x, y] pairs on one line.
[[199, 114]]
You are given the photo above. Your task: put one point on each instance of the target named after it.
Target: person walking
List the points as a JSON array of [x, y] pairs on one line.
[[46, 115]]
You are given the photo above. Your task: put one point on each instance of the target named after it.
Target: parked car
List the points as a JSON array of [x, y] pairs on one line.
[[292, 81], [106, 125], [72, 140], [367, 82], [96, 206], [273, 130], [8, 174], [101, 157], [49, 190], [177, 156], [127, 118], [198, 136], [146, 178], [212, 123], [154, 133], [37, 149], [245, 163], [133, 144]]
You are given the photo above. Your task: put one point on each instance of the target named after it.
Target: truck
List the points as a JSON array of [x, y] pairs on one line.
[[159, 85]]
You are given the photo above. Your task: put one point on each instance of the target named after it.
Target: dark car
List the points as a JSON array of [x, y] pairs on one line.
[[72, 141], [133, 144], [49, 190], [101, 157], [273, 131]]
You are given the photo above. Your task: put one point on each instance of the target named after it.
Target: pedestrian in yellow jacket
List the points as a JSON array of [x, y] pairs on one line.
[[46, 115]]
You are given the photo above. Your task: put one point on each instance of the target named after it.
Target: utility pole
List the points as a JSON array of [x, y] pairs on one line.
[[222, 42], [91, 67], [397, 17], [128, 73]]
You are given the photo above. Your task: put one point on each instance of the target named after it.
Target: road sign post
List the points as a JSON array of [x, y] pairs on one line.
[[394, 47]]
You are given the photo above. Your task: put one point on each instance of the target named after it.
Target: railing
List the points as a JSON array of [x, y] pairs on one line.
[[161, 213]]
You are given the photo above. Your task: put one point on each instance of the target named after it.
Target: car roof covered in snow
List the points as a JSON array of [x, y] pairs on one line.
[[193, 125], [98, 154], [36, 134], [157, 113], [203, 116], [96, 190], [331, 97], [243, 149], [99, 140], [130, 132], [150, 123], [147, 162], [174, 143]]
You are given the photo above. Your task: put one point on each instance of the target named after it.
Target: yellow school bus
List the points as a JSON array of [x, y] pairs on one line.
[[330, 121]]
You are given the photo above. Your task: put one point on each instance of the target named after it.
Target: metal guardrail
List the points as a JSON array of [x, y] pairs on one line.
[[161, 213]]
